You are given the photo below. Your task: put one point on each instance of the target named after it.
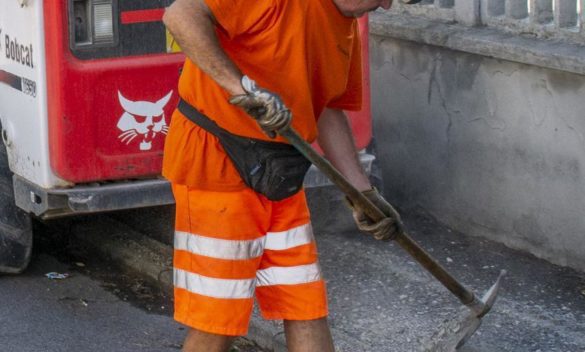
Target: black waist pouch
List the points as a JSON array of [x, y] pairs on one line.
[[274, 169]]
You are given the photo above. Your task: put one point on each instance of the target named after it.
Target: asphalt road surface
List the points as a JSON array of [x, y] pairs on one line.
[[380, 299], [97, 307]]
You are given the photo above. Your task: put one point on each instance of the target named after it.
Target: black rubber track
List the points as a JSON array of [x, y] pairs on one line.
[[15, 225]]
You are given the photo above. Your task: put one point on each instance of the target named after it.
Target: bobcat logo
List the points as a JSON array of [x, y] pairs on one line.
[[142, 118]]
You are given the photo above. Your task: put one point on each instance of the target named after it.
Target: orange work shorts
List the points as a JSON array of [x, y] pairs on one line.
[[230, 246]]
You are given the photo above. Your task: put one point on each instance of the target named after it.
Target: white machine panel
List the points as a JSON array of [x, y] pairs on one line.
[[23, 91]]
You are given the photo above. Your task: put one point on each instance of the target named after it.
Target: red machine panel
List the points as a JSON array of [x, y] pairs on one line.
[[108, 114], [107, 117]]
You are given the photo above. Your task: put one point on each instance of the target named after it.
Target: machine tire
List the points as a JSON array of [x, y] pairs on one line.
[[16, 234]]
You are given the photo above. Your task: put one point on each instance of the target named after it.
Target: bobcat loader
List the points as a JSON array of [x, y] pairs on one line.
[[87, 88]]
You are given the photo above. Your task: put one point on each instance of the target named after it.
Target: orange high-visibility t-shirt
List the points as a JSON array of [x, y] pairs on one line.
[[306, 51]]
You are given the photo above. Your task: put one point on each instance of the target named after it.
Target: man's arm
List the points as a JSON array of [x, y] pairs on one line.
[[336, 140], [193, 26]]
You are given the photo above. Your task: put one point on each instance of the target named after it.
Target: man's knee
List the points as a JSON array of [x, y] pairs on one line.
[[308, 335], [321, 322], [198, 340]]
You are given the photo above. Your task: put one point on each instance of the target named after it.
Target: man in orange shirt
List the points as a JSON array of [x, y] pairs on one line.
[[254, 67]]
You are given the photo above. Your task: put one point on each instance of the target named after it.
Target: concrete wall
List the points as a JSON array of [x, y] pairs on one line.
[[491, 147]]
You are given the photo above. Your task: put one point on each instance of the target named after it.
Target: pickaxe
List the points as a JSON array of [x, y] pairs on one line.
[[453, 334]]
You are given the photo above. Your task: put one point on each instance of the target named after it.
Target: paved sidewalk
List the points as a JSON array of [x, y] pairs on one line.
[[381, 300]]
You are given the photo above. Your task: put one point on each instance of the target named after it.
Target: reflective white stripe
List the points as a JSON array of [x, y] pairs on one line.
[[289, 239], [291, 275], [212, 287], [219, 248]]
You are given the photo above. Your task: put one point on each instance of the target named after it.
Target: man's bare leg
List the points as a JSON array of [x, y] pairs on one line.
[[199, 341], [308, 336]]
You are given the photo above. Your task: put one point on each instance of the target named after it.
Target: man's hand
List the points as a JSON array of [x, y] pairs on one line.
[[264, 106], [385, 229]]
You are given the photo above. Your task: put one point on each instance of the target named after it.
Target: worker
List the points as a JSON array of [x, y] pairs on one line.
[[255, 67]]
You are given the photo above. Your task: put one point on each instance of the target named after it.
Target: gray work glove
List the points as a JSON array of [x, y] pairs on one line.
[[264, 106], [385, 229]]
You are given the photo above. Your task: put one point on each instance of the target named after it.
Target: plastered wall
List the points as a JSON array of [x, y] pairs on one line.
[[491, 147]]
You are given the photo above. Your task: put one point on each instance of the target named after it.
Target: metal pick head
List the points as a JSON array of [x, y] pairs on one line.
[[454, 333], [489, 298]]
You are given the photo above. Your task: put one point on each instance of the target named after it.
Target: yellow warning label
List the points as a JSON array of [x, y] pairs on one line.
[[172, 46]]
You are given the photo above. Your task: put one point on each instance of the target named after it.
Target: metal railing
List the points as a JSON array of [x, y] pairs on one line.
[[556, 19]]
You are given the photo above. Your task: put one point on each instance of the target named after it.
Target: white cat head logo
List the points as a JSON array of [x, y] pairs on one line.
[[142, 119]]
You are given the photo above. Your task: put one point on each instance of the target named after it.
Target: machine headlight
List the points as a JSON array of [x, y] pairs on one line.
[[92, 23], [103, 22]]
